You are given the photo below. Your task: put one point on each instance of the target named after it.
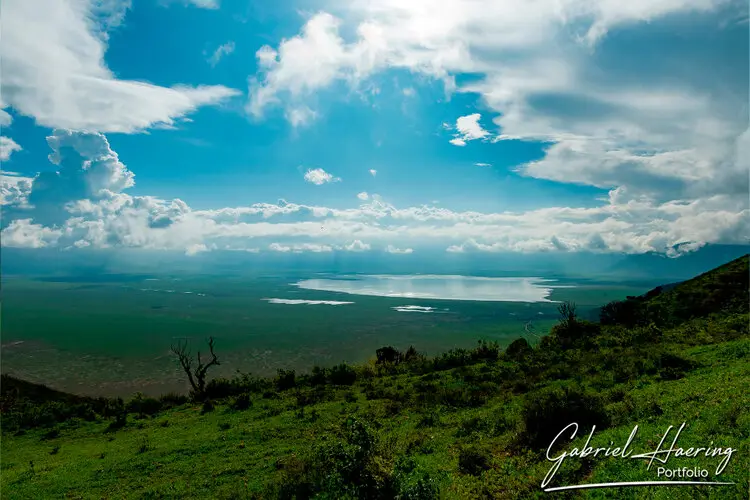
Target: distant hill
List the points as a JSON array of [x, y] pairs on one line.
[[723, 290], [659, 266]]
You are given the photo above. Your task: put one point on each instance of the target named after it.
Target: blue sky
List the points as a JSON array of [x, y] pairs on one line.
[[386, 127]]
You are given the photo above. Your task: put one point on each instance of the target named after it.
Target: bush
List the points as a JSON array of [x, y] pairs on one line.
[[547, 411], [120, 413], [472, 461], [388, 355], [518, 349], [208, 406], [242, 402], [143, 405], [576, 333], [486, 350], [51, 434], [318, 376], [172, 399], [144, 445], [220, 388], [285, 379], [413, 483], [342, 374], [673, 367], [411, 355]]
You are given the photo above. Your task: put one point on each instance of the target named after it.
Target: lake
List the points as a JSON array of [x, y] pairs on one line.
[[112, 335]]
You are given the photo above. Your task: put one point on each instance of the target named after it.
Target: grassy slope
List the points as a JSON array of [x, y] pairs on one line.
[[252, 453]]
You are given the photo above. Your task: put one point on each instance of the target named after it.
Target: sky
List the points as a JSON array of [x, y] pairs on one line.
[[390, 127]]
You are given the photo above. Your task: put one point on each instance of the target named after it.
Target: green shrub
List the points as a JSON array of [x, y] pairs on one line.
[[342, 374], [143, 405], [285, 379], [473, 461], [518, 349], [547, 411], [172, 400], [241, 402], [208, 406]]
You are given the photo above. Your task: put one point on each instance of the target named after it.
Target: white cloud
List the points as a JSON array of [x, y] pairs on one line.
[[393, 249], [356, 246], [300, 116], [409, 92], [5, 118], [85, 204], [483, 164], [204, 4], [7, 147], [657, 129], [54, 71], [14, 189], [201, 4], [363, 196], [220, 52], [318, 176], [373, 172], [304, 247], [468, 129], [196, 248], [24, 234]]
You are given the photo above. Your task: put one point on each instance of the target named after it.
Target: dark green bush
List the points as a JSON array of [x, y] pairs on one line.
[[545, 412], [172, 400], [473, 461], [143, 405], [241, 402], [208, 406], [388, 354], [342, 374], [518, 349], [285, 379]]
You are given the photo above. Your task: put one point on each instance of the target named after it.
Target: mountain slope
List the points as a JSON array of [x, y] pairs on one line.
[[723, 290]]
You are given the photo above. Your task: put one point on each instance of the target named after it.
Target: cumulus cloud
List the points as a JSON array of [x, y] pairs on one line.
[[300, 116], [201, 4], [204, 4], [363, 196], [7, 147], [22, 233], [318, 176], [396, 250], [373, 172], [468, 129], [85, 204], [14, 189], [54, 71], [546, 71], [356, 246], [221, 52], [304, 247]]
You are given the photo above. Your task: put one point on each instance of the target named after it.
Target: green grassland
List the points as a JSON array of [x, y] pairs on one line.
[[469, 423], [109, 337]]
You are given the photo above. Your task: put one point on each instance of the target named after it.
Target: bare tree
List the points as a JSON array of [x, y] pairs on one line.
[[197, 375]]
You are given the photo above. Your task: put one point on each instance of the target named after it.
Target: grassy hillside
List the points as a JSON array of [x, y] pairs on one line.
[[467, 424]]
